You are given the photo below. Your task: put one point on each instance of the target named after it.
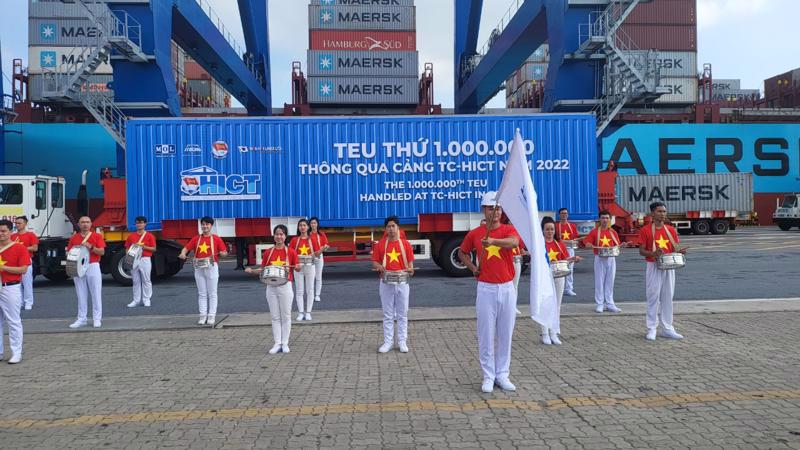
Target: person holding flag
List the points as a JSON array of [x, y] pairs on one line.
[[556, 251], [496, 296], [605, 267]]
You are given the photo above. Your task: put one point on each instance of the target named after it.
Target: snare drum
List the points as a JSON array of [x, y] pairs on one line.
[[570, 244], [274, 275], [670, 261], [132, 258], [395, 277], [306, 260], [202, 263], [608, 252], [560, 269], [77, 261]]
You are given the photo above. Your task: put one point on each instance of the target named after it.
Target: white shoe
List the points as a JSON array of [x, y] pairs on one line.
[[570, 293], [385, 347], [598, 308], [487, 386], [403, 347], [202, 320], [146, 304], [97, 324], [133, 304], [505, 384], [28, 307], [15, 359], [554, 338], [308, 317], [78, 324], [672, 334], [300, 317], [275, 349], [651, 334], [518, 311], [285, 348], [211, 320], [317, 299], [546, 339], [613, 308]]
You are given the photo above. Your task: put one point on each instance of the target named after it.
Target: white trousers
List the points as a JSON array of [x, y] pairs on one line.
[[142, 286], [568, 282], [319, 263], [304, 287], [207, 279], [394, 300], [27, 287], [91, 283], [496, 310], [10, 300], [659, 289], [605, 270], [279, 299], [559, 282]]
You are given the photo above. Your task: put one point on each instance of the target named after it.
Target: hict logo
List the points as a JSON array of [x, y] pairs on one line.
[[219, 149], [165, 150], [47, 32], [206, 184]]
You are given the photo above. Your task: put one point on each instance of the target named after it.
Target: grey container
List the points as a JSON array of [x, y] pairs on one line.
[[59, 10], [687, 192], [735, 95], [97, 83], [726, 84], [60, 32], [681, 90], [375, 64], [363, 2], [361, 17], [674, 64], [363, 90]]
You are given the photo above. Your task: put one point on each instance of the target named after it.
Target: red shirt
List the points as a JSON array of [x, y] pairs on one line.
[[496, 263], [27, 239], [556, 251], [148, 241], [282, 257], [566, 232], [14, 256], [94, 238], [319, 240], [607, 238], [660, 240], [201, 246], [304, 246], [394, 256]]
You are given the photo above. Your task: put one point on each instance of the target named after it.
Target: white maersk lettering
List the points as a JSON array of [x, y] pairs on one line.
[[384, 63], [369, 17], [371, 89]]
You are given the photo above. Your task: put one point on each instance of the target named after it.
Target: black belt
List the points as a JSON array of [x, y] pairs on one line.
[[11, 283]]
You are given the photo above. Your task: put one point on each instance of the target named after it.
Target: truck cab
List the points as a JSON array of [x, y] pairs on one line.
[[787, 215]]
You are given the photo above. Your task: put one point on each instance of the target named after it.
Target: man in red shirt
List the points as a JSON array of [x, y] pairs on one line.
[[655, 240], [394, 254], [605, 267], [207, 247], [31, 243], [14, 262], [496, 297], [92, 281], [567, 231], [142, 286]]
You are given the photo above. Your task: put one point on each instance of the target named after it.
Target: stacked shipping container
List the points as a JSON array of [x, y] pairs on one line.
[[783, 91], [362, 52], [528, 79]]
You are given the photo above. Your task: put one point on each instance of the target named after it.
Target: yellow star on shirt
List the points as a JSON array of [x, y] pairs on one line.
[[393, 255], [277, 262], [304, 250], [493, 250], [662, 243], [565, 235], [203, 248], [553, 255], [605, 241]]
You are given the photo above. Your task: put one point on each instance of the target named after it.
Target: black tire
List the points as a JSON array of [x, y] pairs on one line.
[[684, 231], [448, 257], [719, 227], [56, 276], [701, 227], [785, 226], [118, 272]]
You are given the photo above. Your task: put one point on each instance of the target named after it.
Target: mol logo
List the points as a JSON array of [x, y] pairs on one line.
[[326, 62], [164, 150], [204, 183], [325, 88], [47, 32]]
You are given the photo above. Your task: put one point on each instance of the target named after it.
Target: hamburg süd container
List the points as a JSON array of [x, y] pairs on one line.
[[351, 171], [363, 40]]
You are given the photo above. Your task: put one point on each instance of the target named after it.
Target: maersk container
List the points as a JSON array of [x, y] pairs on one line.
[[687, 192], [363, 2], [62, 10], [681, 90], [96, 83], [363, 90], [673, 64], [371, 64], [362, 17], [351, 171], [61, 32], [52, 59]]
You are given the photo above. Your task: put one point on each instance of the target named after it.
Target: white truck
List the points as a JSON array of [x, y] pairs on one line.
[[787, 215]]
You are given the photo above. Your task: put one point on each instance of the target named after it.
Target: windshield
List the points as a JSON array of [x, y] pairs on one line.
[[10, 194], [790, 201]]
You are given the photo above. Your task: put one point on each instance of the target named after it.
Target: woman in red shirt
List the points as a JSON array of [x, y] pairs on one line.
[[279, 298], [304, 278], [320, 245], [556, 251]]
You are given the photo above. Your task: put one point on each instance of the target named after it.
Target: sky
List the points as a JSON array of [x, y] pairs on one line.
[[746, 39]]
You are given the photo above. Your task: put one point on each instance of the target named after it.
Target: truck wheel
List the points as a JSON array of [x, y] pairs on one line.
[[448, 256], [701, 227], [118, 272], [785, 226], [719, 227]]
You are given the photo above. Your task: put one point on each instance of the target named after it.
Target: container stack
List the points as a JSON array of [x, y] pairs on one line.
[[362, 53], [522, 85], [729, 92], [783, 91]]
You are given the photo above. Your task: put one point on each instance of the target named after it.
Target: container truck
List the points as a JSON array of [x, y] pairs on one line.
[[787, 215]]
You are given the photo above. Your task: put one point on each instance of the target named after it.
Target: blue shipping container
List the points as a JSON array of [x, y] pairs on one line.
[[351, 171], [771, 152]]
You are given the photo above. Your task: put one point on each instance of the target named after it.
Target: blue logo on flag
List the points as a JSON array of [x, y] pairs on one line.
[[326, 62], [47, 32], [47, 59], [325, 88]]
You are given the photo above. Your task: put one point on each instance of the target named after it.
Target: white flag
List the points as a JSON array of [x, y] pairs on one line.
[[517, 197]]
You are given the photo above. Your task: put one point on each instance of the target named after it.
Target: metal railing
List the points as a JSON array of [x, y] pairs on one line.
[[107, 114], [501, 26]]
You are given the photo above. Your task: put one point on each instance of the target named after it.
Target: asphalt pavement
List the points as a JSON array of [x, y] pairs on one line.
[[743, 264]]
